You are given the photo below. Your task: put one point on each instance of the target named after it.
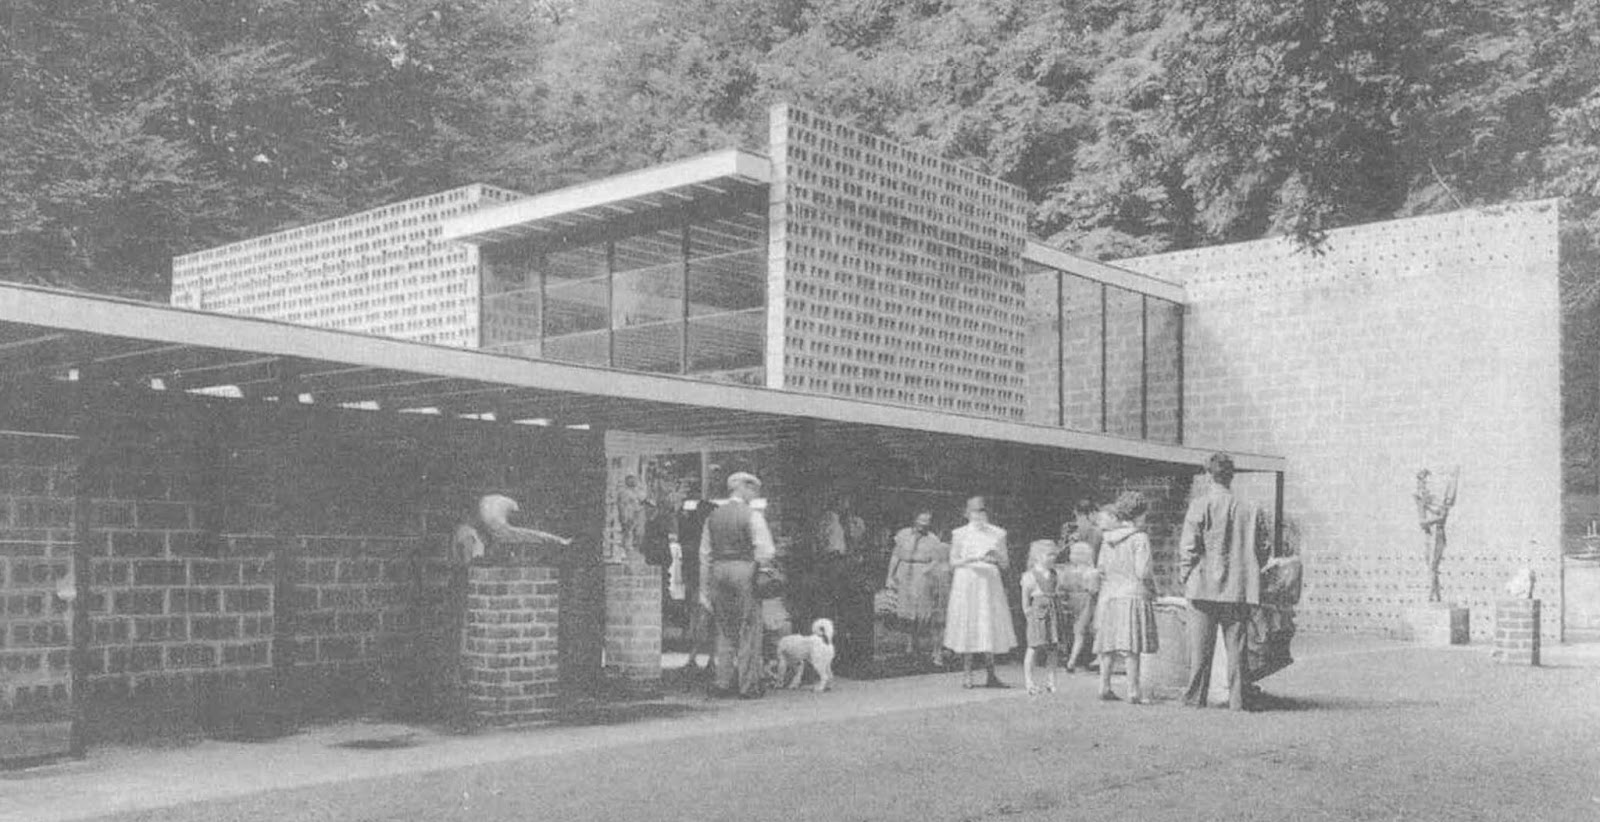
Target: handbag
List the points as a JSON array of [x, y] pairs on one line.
[[886, 601], [770, 582]]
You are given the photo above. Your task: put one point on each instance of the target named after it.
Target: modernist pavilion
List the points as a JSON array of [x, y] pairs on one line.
[[210, 512]]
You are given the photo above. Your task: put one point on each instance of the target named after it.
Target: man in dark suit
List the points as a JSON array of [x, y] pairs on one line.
[[1223, 547]]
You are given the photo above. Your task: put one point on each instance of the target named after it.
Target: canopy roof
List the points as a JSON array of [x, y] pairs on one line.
[[49, 333]]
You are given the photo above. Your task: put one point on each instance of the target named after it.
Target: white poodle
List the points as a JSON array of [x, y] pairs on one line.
[[795, 651]]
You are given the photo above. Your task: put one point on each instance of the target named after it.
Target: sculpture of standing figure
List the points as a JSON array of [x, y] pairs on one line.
[[1432, 514]]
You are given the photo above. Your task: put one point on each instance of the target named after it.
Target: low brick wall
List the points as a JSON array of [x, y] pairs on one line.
[[509, 659], [1516, 631], [249, 566]]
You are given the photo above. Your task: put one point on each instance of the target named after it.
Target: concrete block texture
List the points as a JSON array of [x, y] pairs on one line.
[[1430, 342]]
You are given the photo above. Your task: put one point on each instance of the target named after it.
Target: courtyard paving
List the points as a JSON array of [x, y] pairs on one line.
[[1362, 730]]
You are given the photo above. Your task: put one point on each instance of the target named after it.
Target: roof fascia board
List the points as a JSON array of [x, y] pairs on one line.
[[113, 317], [731, 163], [1037, 252]]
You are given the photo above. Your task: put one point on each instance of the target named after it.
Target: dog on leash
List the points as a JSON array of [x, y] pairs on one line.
[[796, 651]]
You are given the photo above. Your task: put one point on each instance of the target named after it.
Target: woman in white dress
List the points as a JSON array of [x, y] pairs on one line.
[[978, 619]]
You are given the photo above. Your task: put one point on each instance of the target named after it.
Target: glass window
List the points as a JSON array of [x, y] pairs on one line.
[[1164, 365], [728, 342], [1042, 344], [734, 281], [1124, 362], [1080, 352]]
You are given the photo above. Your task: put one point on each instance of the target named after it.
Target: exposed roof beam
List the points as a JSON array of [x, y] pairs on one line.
[[106, 317], [1037, 252]]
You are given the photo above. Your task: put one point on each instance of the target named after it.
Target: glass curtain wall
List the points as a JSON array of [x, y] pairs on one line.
[[685, 299], [1103, 358]]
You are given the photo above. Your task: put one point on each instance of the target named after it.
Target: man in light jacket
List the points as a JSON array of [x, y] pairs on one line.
[[735, 542], [1223, 547]]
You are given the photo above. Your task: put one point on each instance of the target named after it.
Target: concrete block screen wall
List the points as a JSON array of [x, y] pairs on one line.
[[894, 274], [1423, 343], [380, 271]]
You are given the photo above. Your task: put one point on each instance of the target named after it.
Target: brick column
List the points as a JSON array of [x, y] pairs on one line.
[[633, 620], [509, 657], [1516, 631]]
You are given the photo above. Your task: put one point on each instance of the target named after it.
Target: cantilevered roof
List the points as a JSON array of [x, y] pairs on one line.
[[709, 177], [47, 332]]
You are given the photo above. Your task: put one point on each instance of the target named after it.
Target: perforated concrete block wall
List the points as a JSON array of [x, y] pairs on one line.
[[903, 267], [381, 271], [1427, 342]]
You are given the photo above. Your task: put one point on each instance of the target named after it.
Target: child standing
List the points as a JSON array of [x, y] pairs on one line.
[[1125, 622], [1042, 607], [1078, 582]]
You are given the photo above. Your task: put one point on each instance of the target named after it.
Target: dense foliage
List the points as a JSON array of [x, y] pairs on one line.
[[139, 130]]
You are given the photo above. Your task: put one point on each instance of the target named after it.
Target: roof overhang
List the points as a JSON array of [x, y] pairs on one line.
[[45, 332], [709, 178], [1037, 252]]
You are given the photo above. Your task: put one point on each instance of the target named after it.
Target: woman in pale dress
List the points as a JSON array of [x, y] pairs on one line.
[[1125, 622], [978, 618]]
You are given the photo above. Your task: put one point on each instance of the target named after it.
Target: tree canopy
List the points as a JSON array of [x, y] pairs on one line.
[[137, 131]]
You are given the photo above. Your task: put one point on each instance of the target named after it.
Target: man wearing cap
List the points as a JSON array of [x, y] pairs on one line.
[[1223, 547], [735, 540]]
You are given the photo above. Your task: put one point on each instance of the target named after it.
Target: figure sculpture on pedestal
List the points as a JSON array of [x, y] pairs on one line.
[[493, 535], [1432, 514]]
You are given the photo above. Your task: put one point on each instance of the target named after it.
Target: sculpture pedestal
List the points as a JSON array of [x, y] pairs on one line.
[[1516, 631], [1437, 624]]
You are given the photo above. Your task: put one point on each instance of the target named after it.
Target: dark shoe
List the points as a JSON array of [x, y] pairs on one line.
[[1107, 696], [995, 683]]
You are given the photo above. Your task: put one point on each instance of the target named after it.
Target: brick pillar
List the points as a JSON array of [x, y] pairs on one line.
[[633, 620], [509, 659], [1516, 631]]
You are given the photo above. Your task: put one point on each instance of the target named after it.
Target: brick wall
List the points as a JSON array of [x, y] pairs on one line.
[[247, 556], [509, 659], [36, 544], [1426, 342], [1517, 631]]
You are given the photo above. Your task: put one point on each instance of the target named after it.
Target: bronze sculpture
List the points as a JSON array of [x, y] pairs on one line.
[[1432, 515]]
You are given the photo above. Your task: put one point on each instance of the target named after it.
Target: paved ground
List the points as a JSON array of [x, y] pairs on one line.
[[1364, 730]]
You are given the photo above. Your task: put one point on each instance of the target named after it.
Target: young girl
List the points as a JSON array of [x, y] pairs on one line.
[[1125, 622], [1078, 582], [1043, 609]]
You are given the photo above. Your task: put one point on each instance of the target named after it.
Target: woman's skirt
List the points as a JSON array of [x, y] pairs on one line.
[[1125, 624], [978, 619]]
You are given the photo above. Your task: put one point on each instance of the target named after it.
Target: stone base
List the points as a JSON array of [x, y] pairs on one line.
[[1437, 624], [23, 743], [1516, 631]]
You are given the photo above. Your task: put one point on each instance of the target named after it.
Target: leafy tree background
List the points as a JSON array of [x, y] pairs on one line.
[[139, 130]]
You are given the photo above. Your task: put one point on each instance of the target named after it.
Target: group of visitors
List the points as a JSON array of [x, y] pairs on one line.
[[1097, 580], [1109, 585]]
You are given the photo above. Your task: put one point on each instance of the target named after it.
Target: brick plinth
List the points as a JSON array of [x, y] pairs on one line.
[[1516, 631], [633, 621], [509, 658]]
